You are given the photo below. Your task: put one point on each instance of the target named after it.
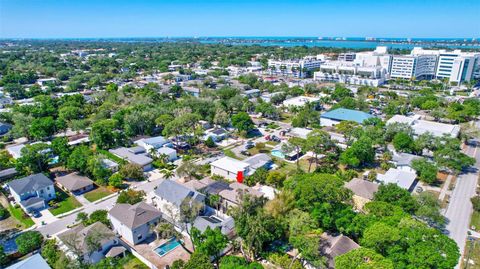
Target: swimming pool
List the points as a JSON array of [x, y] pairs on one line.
[[168, 246], [278, 153]]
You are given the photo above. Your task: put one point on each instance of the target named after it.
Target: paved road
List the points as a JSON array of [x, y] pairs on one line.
[[61, 224], [460, 208]]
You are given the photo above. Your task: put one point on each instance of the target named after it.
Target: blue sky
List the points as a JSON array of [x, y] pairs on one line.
[[149, 18]]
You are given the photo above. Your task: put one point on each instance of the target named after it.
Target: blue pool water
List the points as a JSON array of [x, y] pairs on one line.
[[278, 153], [168, 246]]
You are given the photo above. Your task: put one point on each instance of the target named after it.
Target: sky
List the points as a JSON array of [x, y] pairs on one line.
[[180, 18]]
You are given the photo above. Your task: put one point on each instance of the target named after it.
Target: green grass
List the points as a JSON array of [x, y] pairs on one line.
[[18, 213], [97, 194], [111, 156], [230, 154], [65, 203], [133, 263], [472, 252], [475, 221]]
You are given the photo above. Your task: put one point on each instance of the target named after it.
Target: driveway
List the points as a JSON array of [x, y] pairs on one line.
[[45, 218], [82, 199]]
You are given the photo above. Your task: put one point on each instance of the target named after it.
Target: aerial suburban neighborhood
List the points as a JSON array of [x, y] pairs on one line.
[[239, 152]]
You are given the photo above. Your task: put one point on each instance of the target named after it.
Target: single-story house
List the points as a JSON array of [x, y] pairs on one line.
[[299, 132], [32, 192], [403, 161], [257, 161], [363, 191], [7, 173], [78, 238], [132, 222], [279, 152], [216, 134], [300, 101], [110, 165], [252, 93], [35, 261], [15, 150], [75, 183], [419, 126], [229, 168], [333, 246], [171, 153], [226, 225], [169, 196], [234, 194], [135, 155], [338, 115], [403, 179], [152, 143]]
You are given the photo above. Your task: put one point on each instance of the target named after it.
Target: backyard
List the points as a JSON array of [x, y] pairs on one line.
[[98, 193], [63, 203]]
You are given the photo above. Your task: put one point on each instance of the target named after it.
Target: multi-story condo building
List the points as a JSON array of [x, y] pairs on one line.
[[351, 73], [295, 67]]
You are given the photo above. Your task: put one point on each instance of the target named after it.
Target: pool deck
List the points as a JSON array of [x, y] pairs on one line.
[[146, 249]]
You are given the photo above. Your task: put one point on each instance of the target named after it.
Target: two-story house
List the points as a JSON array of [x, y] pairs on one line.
[[169, 196], [133, 222], [32, 192]]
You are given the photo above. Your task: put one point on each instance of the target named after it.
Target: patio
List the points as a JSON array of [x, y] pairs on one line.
[[147, 250]]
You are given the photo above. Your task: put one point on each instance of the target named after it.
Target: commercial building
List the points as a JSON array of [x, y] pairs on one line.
[[295, 67], [424, 126], [351, 73], [338, 115]]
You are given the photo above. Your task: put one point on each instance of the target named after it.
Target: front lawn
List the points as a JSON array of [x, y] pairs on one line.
[[97, 194], [20, 215], [475, 222], [64, 203]]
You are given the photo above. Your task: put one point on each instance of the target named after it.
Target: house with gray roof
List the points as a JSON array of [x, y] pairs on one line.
[[75, 183], [76, 241], [132, 222], [32, 192], [136, 155], [35, 261], [169, 196], [258, 161], [403, 161]]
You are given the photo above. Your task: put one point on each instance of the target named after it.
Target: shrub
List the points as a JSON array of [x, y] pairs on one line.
[[29, 241], [476, 203], [3, 213]]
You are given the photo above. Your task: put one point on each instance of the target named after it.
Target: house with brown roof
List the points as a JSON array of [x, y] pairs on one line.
[[75, 183], [91, 242], [133, 222], [363, 191], [333, 246]]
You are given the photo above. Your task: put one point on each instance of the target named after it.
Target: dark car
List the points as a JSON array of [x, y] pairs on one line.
[[246, 153]]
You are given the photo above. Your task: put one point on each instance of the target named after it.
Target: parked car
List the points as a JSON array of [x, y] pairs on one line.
[[249, 145], [246, 153]]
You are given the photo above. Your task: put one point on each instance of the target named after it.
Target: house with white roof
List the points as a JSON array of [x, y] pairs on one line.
[[135, 155], [300, 101], [152, 142], [403, 179], [169, 152], [424, 126], [229, 168]]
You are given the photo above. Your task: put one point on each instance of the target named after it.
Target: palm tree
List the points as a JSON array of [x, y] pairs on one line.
[[167, 174]]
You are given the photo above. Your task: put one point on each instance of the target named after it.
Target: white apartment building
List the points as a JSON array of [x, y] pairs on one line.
[[295, 67]]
